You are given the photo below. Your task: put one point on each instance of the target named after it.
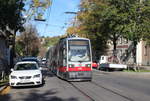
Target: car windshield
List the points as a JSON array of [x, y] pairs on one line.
[[28, 59], [28, 66], [31, 59]]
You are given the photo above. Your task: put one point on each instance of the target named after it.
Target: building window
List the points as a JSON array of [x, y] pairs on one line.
[[126, 51], [126, 41], [145, 50]]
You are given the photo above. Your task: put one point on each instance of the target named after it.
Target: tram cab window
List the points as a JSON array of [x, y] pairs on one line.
[[79, 51]]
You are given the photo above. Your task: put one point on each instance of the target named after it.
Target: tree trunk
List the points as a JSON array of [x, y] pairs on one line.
[[134, 52], [115, 46], [13, 51]]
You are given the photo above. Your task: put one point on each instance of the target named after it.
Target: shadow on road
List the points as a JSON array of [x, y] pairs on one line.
[[47, 96], [47, 73], [36, 95], [5, 97]]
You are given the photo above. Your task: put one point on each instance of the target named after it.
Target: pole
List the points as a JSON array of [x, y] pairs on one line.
[[74, 23], [75, 17]]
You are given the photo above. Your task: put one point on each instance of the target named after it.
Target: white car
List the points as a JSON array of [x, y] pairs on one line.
[[25, 73]]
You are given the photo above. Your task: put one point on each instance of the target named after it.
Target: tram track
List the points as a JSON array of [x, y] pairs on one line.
[[86, 94], [130, 99], [81, 91], [61, 81], [79, 87]]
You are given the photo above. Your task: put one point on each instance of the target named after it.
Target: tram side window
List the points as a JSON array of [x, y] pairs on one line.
[[64, 57], [61, 56]]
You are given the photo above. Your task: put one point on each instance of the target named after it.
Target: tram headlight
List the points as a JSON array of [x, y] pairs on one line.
[[88, 65], [71, 65]]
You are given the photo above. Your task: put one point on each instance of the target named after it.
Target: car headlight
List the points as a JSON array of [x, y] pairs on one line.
[[36, 76], [13, 77]]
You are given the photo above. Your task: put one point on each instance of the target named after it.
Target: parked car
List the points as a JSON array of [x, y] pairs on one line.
[[26, 73], [43, 62], [30, 59], [95, 65], [35, 59], [110, 63]]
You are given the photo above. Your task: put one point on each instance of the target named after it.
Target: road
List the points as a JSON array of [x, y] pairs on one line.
[[105, 86]]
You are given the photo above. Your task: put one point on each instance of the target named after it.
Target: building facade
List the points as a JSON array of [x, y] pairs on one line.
[[125, 52], [143, 54]]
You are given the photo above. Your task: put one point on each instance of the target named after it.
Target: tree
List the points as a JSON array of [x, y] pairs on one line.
[[28, 43], [89, 18], [72, 30], [136, 25], [50, 41], [11, 20], [10, 15], [35, 9], [104, 20]]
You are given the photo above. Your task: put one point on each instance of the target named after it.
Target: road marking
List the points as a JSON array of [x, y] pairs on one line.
[[5, 90]]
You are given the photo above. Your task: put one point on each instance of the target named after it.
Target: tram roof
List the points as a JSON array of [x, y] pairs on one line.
[[77, 38]]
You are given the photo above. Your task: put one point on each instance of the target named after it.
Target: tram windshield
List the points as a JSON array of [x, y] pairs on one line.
[[79, 50]]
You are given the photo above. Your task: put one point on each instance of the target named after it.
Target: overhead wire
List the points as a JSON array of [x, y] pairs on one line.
[[48, 17]]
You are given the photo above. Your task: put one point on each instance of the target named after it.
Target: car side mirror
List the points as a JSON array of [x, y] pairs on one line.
[[12, 69]]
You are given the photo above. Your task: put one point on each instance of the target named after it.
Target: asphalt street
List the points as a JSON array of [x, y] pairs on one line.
[[105, 86]]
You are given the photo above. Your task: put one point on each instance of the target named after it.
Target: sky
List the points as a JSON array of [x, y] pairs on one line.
[[57, 20]]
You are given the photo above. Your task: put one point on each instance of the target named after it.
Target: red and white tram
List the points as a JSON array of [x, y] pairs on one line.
[[71, 59]]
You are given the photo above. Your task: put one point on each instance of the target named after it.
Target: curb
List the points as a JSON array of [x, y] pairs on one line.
[[145, 75], [135, 75], [2, 87]]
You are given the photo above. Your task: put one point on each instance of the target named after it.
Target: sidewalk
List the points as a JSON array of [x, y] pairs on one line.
[[145, 75]]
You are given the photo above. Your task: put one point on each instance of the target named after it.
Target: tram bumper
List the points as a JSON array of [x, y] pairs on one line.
[[79, 75]]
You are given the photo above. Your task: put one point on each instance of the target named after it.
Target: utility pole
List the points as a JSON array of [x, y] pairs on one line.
[[75, 20], [75, 13]]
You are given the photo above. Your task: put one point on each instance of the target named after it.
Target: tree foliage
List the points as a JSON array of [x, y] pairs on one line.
[[90, 17], [104, 20], [28, 43], [50, 41], [10, 15], [36, 8], [133, 16]]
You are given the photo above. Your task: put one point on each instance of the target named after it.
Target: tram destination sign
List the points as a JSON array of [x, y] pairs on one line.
[[78, 42]]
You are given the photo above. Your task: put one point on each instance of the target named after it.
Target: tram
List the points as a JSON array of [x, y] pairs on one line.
[[71, 59]]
